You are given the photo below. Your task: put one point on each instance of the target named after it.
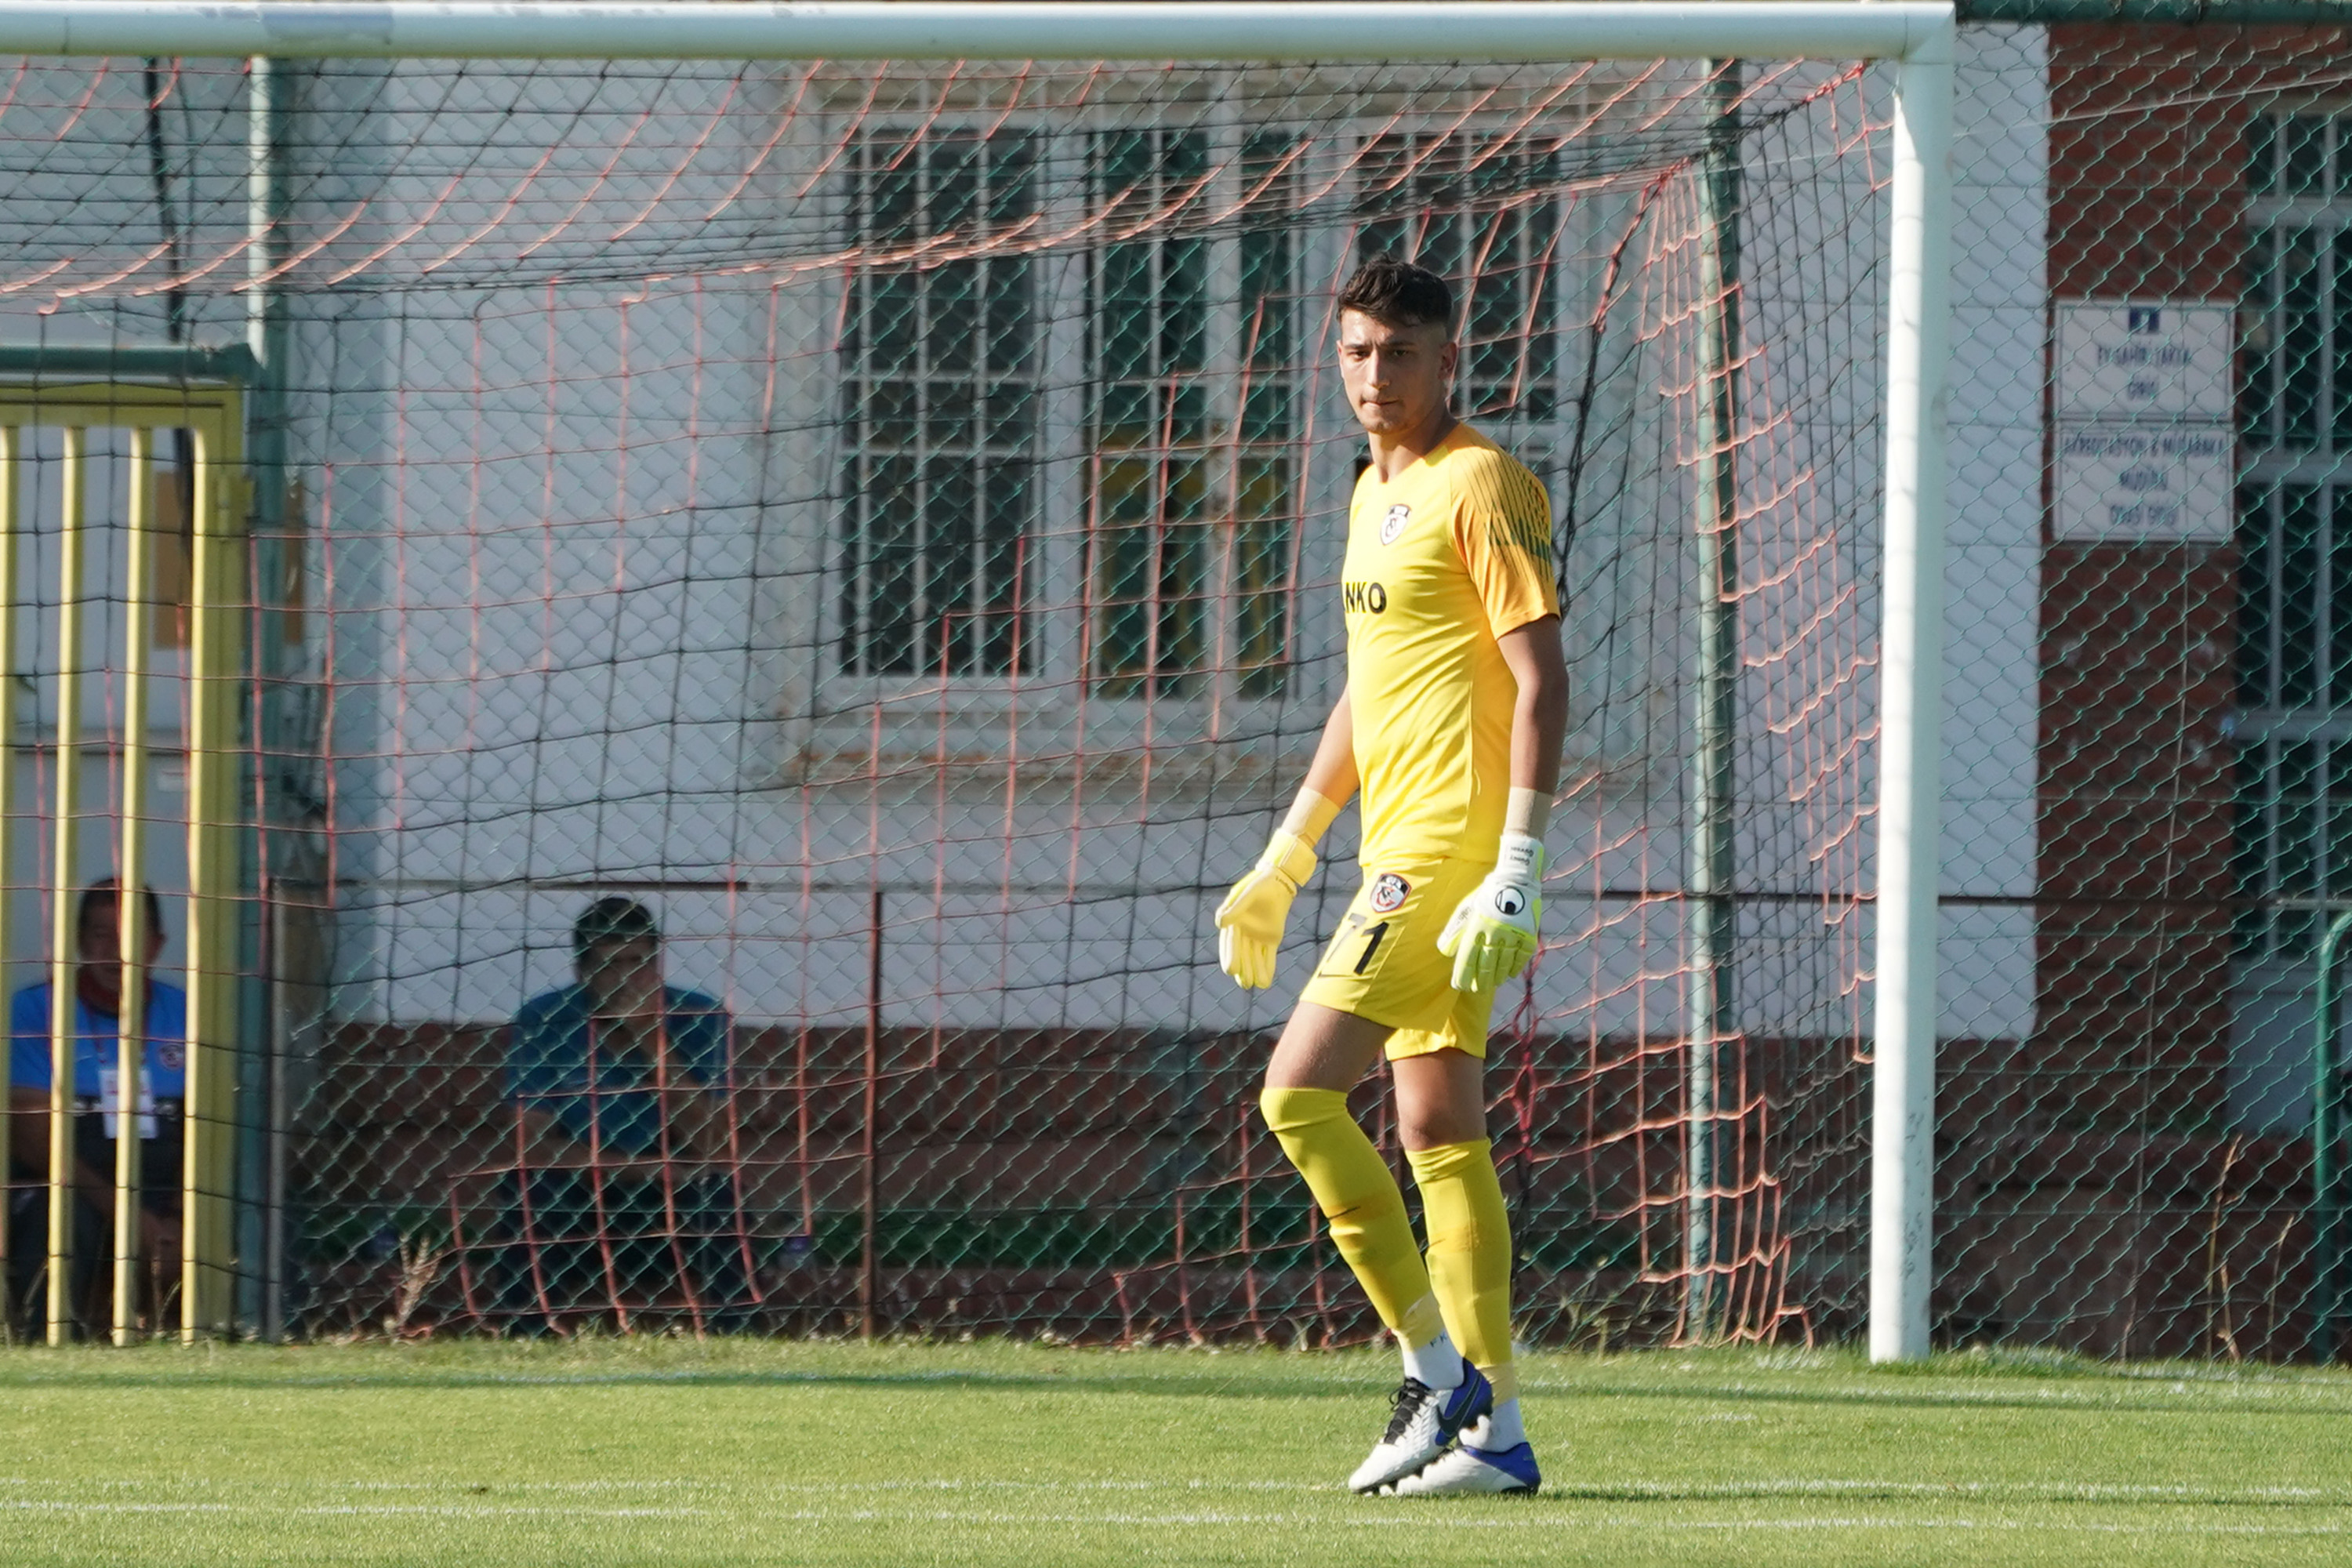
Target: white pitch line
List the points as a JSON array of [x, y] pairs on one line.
[[1585, 1488], [2139, 1394], [449, 1510], [41, 1505], [1547, 1519]]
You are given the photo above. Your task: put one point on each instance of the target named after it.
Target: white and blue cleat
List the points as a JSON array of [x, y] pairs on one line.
[[1465, 1471], [1423, 1425]]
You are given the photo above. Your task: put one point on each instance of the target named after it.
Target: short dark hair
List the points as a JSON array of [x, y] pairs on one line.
[[108, 890], [611, 919], [1398, 294]]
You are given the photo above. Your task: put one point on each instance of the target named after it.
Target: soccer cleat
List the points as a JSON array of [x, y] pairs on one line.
[[1424, 1420], [1465, 1471]]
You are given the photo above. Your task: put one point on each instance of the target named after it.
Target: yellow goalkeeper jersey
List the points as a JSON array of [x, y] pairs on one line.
[[1442, 561]]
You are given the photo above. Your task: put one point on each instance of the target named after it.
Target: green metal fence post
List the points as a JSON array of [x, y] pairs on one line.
[[2327, 1209]]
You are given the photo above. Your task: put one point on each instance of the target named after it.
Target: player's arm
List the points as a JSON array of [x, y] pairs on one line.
[[1492, 934], [699, 1043], [1250, 921], [1539, 720], [1332, 773]]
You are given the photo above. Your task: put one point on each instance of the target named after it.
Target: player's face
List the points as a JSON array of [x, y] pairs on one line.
[[1396, 377], [98, 943], [623, 977]]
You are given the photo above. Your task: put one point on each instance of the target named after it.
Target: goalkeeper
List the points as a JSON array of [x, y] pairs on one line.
[[1450, 724]]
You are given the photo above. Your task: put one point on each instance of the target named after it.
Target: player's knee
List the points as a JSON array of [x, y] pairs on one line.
[[1441, 1125], [1296, 1110], [1449, 1159]]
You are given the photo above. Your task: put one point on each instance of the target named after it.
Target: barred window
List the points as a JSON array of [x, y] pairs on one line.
[[1192, 348], [1194, 416], [1268, 473], [941, 388], [2295, 530], [1478, 207]]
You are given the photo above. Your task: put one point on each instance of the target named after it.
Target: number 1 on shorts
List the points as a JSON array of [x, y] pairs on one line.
[[1372, 935]]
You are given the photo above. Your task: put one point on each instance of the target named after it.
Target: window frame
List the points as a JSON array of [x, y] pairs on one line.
[[2291, 717], [928, 449], [970, 715]]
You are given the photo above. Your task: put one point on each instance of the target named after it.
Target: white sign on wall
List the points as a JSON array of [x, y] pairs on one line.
[[2158, 359], [2124, 482], [2145, 399]]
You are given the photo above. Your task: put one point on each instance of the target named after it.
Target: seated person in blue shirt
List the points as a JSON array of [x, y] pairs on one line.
[[162, 1095], [624, 1193]]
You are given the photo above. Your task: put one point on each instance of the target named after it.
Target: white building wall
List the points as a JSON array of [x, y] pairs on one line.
[[1992, 580]]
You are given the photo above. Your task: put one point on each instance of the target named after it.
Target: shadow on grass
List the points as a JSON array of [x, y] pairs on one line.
[[1705, 1377]]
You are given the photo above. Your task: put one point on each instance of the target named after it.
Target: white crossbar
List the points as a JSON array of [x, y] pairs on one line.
[[1515, 30]]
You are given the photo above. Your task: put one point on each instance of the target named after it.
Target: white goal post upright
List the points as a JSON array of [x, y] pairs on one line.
[[1919, 37], [1911, 709]]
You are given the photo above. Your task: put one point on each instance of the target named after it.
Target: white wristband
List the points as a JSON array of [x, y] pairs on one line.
[[1526, 811], [1310, 813]]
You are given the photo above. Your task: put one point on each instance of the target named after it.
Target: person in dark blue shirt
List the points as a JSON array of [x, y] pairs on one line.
[[157, 1117], [624, 1199]]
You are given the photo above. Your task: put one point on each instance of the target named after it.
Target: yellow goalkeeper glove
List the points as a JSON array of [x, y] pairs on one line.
[[1491, 935], [1250, 921]]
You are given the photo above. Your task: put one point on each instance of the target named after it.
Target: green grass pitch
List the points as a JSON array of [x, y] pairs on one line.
[[674, 1452]]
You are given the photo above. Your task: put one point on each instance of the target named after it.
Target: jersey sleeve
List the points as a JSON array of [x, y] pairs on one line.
[[1502, 528], [28, 1037]]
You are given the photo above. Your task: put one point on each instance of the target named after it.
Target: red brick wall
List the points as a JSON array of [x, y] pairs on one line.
[[2133, 966]]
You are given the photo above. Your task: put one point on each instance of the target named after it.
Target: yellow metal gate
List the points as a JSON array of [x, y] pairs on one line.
[[60, 423]]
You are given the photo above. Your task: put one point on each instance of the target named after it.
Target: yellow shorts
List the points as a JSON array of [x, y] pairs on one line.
[[1383, 962]]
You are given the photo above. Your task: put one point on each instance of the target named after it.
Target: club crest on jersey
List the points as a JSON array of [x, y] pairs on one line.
[[1393, 524], [171, 1056], [1389, 891]]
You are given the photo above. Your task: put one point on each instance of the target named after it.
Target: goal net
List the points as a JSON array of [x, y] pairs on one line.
[[883, 522]]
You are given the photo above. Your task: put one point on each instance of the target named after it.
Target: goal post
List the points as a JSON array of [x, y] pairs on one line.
[[1918, 39], [1911, 650]]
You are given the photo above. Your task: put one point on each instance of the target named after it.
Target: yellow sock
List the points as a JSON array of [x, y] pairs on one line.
[[1360, 1201], [1469, 1252]]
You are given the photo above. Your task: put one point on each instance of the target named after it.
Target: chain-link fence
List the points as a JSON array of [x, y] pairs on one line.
[[771, 603]]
